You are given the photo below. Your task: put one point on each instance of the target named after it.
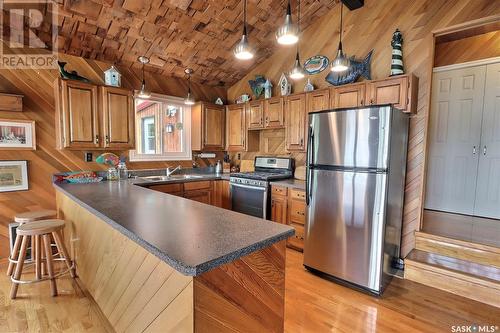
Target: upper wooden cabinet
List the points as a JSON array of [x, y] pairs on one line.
[[117, 104], [273, 112], [207, 127], [295, 130], [93, 117], [236, 127], [318, 100], [77, 115], [256, 114], [348, 96], [400, 91]]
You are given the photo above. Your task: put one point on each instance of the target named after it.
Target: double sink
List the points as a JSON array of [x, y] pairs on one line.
[[172, 177]]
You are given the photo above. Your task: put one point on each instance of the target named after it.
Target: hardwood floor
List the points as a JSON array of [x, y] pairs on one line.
[[312, 304]]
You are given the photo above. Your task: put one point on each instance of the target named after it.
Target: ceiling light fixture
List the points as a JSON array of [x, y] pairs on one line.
[[243, 50], [340, 63], [297, 72], [288, 33], [189, 100], [143, 93]]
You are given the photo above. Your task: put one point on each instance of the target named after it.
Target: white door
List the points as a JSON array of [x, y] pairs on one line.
[[488, 181], [454, 139]]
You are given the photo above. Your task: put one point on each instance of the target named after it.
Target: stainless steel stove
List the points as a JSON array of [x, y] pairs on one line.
[[250, 190]]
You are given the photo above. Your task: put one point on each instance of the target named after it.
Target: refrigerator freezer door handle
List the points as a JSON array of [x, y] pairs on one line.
[[310, 154]]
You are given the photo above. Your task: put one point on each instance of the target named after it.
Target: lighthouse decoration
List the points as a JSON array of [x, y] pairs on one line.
[[397, 53]]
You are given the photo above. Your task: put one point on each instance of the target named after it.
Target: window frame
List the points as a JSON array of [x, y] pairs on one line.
[[186, 153]]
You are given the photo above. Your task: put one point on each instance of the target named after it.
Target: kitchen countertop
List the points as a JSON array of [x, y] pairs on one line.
[[291, 183], [190, 236]]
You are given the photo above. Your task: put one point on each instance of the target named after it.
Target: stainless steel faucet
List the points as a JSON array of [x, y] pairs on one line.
[[170, 172]]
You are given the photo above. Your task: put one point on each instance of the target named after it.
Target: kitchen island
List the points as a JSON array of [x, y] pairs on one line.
[[156, 262]]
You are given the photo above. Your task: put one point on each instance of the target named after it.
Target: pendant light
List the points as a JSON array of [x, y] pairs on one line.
[[189, 100], [340, 63], [143, 93], [297, 71], [243, 50], [288, 33]]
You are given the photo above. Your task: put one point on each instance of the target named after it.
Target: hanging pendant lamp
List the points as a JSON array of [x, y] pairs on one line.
[[288, 33], [297, 71], [340, 63], [189, 100], [243, 50], [143, 93]]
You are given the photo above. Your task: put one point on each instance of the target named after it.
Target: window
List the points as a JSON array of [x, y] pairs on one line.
[[163, 129]]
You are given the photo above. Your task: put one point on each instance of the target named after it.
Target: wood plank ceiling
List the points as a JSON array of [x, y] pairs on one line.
[[175, 34]]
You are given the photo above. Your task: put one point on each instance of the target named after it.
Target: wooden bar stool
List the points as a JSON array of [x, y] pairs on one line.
[[41, 232], [28, 217]]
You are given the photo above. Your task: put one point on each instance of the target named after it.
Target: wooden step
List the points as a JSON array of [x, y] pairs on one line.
[[461, 277], [478, 253]]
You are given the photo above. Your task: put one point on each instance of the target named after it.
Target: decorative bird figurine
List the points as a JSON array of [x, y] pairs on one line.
[[73, 75]]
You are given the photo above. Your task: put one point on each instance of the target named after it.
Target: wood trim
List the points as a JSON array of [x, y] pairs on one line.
[[478, 253], [466, 64], [11, 102], [466, 25]]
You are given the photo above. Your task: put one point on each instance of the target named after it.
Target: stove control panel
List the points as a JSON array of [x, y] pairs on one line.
[[250, 182]]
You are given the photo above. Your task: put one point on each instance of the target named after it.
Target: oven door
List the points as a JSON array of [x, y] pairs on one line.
[[250, 200]]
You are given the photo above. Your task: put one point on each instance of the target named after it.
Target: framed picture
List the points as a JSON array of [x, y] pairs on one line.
[[13, 176], [17, 134]]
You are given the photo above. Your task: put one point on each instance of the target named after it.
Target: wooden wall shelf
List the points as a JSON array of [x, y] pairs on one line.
[[11, 102]]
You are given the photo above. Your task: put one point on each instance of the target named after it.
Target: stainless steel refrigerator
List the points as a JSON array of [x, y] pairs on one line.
[[356, 165]]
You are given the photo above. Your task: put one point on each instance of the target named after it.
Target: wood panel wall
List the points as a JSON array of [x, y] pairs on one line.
[[36, 86], [478, 47], [371, 27]]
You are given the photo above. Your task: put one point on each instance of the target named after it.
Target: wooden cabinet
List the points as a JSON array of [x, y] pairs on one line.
[[279, 204], [348, 96], [203, 196], [118, 117], [77, 115], [295, 130], [273, 112], [289, 206], [236, 127], [256, 115], [207, 127], [222, 194], [318, 100], [400, 91], [174, 189], [93, 117]]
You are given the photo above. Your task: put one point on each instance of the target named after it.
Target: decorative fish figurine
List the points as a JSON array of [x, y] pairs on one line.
[[257, 85], [352, 74], [73, 75]]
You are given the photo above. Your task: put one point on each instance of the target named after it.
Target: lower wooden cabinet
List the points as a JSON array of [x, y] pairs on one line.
[[222, 194], [203, 196], [216, 192], [288, 206], [279, 204]]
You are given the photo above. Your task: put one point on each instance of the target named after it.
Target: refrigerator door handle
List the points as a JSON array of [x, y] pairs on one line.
[[310, 154]]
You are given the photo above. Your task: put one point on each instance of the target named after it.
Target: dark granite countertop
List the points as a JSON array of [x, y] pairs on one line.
[[190, 236], [291, 183]]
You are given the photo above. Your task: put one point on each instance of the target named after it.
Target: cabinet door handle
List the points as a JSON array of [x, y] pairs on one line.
[[484, 150], [301, 142], [474, 150], [96, 140], [362, 102], [107, 139]]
